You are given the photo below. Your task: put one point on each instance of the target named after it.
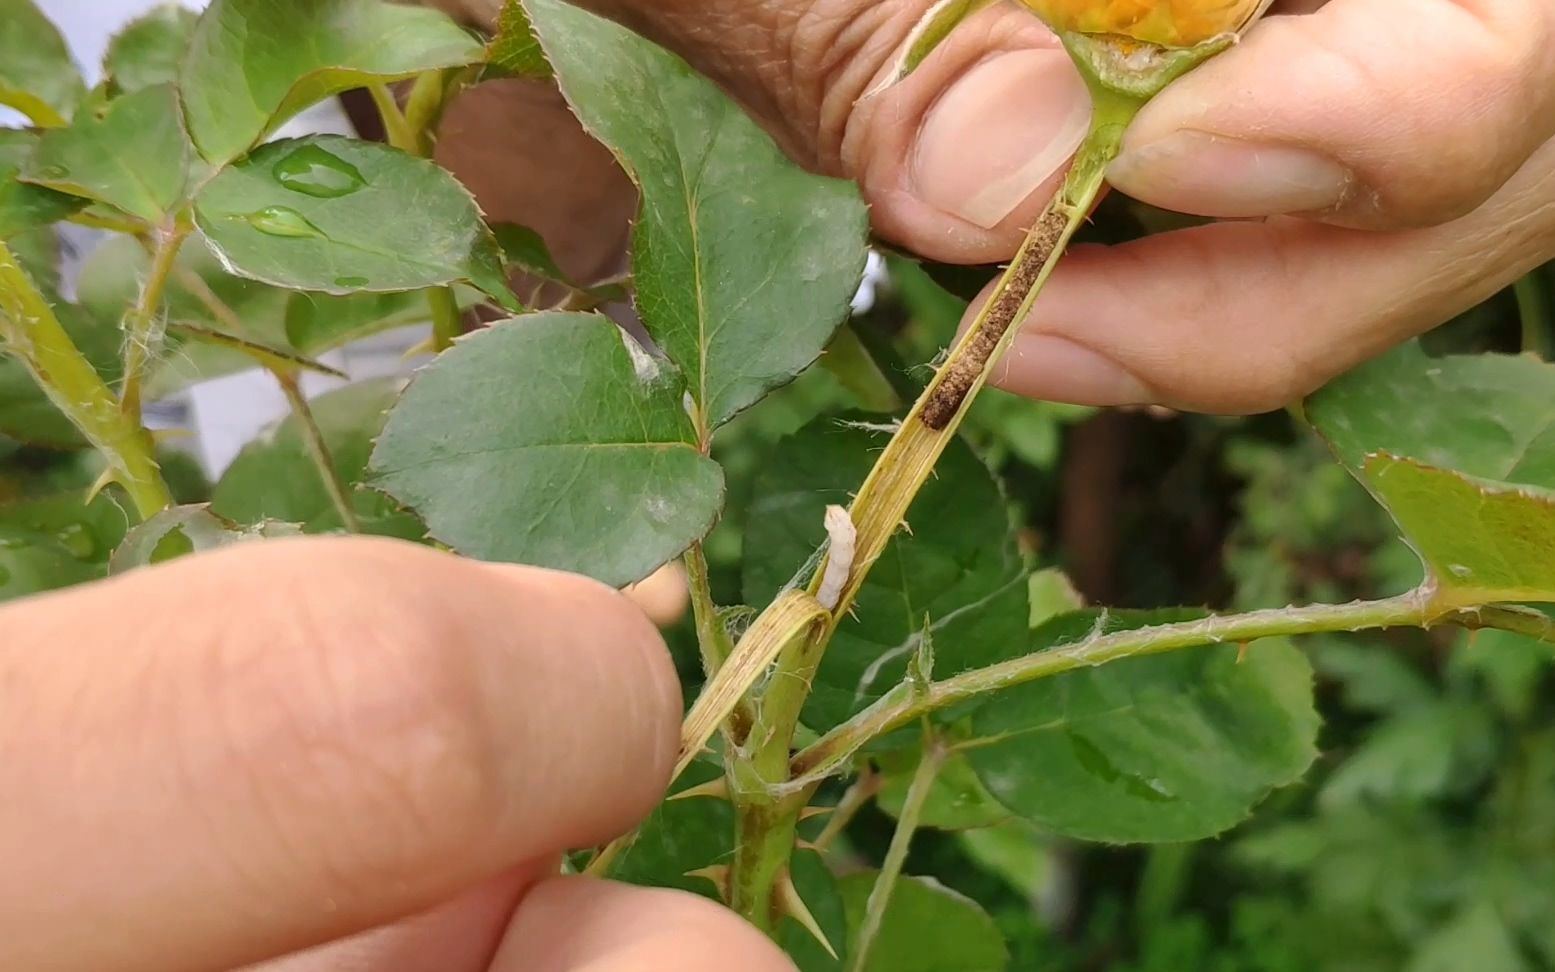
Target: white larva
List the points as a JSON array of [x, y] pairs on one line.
[[839, 556]]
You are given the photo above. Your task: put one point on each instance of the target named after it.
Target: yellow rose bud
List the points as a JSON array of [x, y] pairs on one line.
[[1169, 23]]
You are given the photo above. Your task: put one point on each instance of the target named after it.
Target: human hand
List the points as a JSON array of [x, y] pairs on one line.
[[244, 755], [1409, 138]]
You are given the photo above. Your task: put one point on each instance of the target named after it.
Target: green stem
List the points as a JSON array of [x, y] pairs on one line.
[[31, 330], [395, 128], [896, 854], [854, 799], [447, 322], [712, 636], [904, 703], [1534, 311], [318, 450], [141, 322]]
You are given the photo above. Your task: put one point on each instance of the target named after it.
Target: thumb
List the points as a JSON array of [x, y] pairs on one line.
[[957, 160], [1380, 114]]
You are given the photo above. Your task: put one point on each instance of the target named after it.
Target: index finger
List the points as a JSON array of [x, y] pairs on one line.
[[239, 755]]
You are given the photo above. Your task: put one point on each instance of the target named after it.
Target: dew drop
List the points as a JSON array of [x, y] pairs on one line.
[[351, 281], [77, 539], [281, 221], [314, 172]]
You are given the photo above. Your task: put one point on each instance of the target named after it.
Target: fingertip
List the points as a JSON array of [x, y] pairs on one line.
[[577, 924]]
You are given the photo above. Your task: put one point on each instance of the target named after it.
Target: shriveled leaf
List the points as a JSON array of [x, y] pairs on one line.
[[1461, 450], [515, 50], [26, 414], [183, 530], [956, 564], [744, 263], [329, 214], [274, 477], [149, 51], [37, 76], [253, 64], [1171, 747], [23, 206], [957, 800], [927, 928], [133, 156], [32, 562], [553, 440]]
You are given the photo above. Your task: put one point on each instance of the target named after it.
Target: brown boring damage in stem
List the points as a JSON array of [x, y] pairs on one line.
[[952, 385]]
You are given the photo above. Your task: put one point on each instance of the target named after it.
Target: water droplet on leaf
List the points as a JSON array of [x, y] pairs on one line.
[[314, 172], [281, 221]]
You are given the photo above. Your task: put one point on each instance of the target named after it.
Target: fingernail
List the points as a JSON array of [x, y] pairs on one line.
[[1056, 369], [1211, 175], [999, 133]]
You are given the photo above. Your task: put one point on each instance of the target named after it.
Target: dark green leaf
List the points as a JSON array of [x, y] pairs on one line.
[[1170, 747], [744, 263], [1461, 450], [252, 64], [927, 928], [149, 51], [525, 250], [32, 562], [1477, 939], [37, 76], [329, 214], [184, 530], [88, 531], [274, 477], [515, 50], [319, 322], [957, 564], [680, 837], [134, 156], [1436, 750], [23, 206], [552, 440], [957, 800]]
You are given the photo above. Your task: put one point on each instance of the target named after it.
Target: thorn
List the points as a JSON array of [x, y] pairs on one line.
[[790, 904], [159, 436], [1241, 651], [717, 789], [428, 346], [716, 873], [102, 482], [809, 845], [810, 813]]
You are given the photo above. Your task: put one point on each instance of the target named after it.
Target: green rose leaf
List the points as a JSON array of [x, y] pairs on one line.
[[149, 51], [253, 64], [744, 263], [957, 800], [515, 50], [32, 562], [552, 439], [956, 564], [23, 206], [926, 928], [88, 531], [1171, 747], [315, 323], [328, 214], [184, 530], [133, 155], [274, 477], [37, 76], [1461, 451]]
